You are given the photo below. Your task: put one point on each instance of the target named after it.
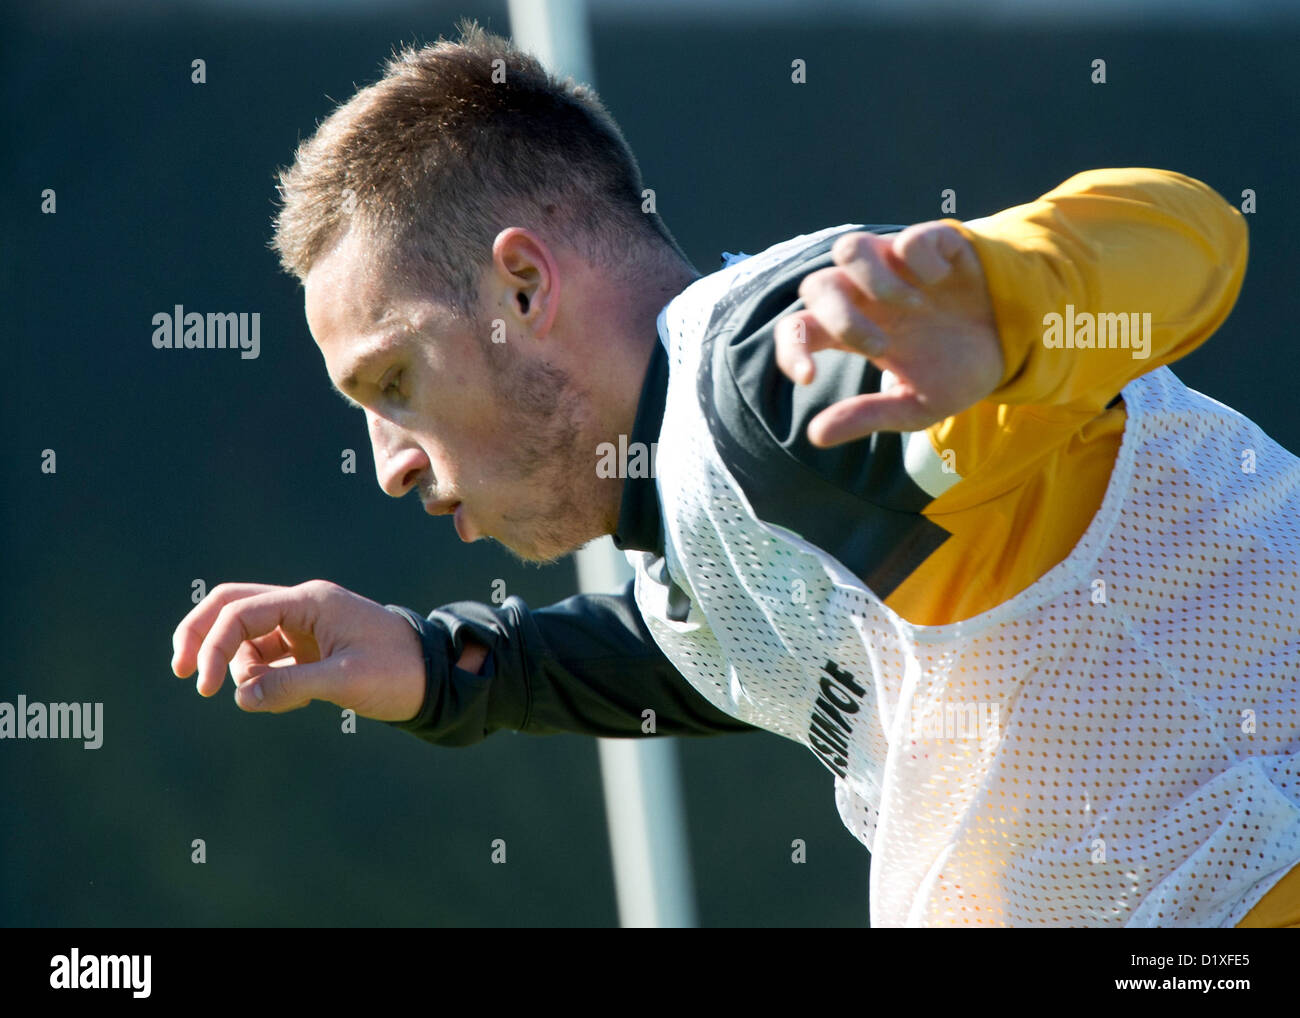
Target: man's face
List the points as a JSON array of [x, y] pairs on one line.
[[504, 439]]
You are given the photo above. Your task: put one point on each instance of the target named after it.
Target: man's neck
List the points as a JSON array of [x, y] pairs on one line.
[[635, 340], [625, 378]]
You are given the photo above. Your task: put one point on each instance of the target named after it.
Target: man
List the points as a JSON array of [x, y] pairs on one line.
[[1028, 598]]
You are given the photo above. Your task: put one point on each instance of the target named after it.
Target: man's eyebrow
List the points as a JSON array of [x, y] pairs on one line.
[[380, 348]]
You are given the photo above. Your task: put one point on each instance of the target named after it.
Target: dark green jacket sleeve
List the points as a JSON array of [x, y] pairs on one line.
[[586, 665]]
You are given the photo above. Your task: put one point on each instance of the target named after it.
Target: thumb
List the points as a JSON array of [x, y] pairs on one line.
[[276, 690], [859, 416]]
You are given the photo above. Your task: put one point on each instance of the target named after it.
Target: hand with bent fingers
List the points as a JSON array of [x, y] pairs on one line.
[[917, 305], [287, 646]]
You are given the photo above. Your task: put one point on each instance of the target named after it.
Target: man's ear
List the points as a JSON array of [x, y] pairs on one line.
[[529, 268]]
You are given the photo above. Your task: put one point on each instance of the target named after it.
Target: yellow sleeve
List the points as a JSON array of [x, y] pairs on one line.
[[1033, 459], [1111, 241]]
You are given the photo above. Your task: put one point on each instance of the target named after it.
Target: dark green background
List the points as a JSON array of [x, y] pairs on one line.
[[177, 465]]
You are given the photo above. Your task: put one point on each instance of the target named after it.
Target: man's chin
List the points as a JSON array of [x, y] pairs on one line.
[[545, 553]]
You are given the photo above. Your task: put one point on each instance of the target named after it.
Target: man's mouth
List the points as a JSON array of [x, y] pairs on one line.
[[464, 530]]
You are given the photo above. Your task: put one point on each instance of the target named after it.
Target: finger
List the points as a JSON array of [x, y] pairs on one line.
[[246, 619], [833, 303], [257, 653], [797, 336], [277, 690], [866, 259], [859, 416], [189, 635], [929, 250]]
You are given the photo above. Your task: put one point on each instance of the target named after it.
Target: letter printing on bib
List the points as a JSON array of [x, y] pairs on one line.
[[1063, 759]]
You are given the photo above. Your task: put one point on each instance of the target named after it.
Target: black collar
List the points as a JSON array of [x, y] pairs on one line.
[[640, 523]]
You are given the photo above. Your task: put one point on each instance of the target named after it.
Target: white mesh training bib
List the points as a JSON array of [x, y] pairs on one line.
[[1117, 745]]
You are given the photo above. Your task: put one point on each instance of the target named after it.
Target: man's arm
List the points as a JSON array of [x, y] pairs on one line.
[[1111, 241], [586, 665], [955, 312]]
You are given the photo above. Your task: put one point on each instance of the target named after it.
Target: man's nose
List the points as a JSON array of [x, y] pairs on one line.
[[399, 461]]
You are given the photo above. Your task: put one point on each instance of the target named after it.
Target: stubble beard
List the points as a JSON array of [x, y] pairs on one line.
[[549, 418]]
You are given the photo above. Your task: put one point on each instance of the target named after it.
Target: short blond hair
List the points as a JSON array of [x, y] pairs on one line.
[[437, 157]]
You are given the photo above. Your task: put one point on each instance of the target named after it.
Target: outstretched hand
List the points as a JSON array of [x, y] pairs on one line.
[[287, 646], [917, 305]]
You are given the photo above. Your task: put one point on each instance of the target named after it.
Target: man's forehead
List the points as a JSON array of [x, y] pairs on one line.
[[344, 290], [350, 302]]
